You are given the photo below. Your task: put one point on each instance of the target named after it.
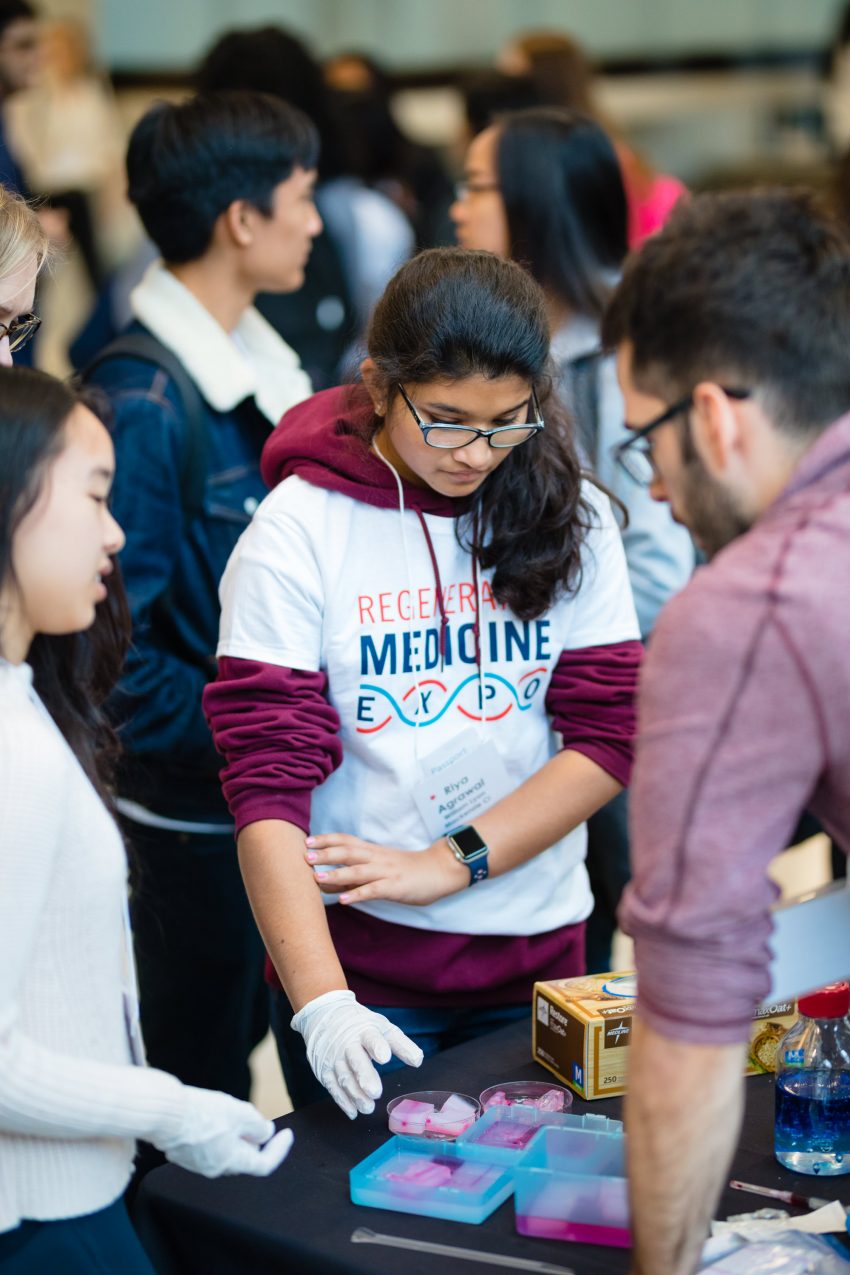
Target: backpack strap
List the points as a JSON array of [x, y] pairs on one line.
[[582, 375], [193, 464]]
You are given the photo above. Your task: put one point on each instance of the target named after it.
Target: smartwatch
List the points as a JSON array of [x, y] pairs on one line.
[[467, 847]]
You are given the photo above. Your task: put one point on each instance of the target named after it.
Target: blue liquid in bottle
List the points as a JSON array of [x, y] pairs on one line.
[[813, 1121]]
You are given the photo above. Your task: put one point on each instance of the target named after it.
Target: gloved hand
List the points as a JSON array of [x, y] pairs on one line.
[[219, 1134], [342, 1039]]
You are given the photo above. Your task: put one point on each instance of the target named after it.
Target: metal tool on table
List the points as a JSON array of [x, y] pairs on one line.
[[363, 1235]]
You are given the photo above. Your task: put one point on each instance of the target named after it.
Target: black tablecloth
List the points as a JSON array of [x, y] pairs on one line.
[[301, 1219]]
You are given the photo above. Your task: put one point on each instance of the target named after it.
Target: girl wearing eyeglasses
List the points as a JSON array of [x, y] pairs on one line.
[[427, 664]]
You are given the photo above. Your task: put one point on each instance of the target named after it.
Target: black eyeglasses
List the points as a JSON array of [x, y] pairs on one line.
[[450, 437], [20, 330], [635, 454]]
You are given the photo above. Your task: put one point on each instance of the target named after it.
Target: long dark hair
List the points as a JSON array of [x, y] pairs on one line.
[[451, 313], [562, 187], [73, 673]]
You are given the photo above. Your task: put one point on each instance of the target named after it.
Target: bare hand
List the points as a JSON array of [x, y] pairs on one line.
[[359, 870]]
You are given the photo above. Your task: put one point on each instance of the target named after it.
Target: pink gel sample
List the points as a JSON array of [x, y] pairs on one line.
[[455, 1115], [473, 1177], [552, 1100], [504, 1133], [410, 1116], [421, 1118], [423, 1172], [498, 1100]]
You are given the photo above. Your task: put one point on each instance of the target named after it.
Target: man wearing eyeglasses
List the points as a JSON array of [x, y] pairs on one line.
[[732, 328]]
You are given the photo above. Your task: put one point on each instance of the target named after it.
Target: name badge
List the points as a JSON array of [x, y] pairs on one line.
[[461, 780]]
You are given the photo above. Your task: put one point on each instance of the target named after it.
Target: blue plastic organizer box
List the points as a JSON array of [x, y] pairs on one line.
[[567, 1172], [434, 1179]]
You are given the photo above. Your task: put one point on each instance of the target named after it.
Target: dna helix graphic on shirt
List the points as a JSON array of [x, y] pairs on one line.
[[407, 679], [437, 699]]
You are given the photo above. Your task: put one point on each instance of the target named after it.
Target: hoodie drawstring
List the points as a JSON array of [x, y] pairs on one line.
[[444, 619], [441, 602]]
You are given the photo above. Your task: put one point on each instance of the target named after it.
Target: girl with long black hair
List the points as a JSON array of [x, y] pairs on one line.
[[430, 595], [74, 1089]]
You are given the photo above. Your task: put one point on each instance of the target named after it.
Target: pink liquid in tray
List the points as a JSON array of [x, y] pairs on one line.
[[505, 1133], [550, 1228], [421, 1173]]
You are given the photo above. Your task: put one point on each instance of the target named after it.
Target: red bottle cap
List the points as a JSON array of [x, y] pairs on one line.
[[829, 1002]]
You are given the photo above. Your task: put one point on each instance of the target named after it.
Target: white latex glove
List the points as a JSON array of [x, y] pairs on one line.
[[220, 1134], [342, 1039]]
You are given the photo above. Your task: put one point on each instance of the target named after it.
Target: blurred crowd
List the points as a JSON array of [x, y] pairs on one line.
[[381, 194]]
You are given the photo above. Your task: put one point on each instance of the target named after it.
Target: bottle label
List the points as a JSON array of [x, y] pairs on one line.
[[794, 1057]]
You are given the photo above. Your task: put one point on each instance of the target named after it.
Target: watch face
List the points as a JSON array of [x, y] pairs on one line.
[[468, 841]]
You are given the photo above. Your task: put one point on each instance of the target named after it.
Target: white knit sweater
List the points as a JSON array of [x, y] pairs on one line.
[[71, 1100]]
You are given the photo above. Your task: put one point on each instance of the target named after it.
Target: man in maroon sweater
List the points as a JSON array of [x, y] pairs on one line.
[[733, 335]]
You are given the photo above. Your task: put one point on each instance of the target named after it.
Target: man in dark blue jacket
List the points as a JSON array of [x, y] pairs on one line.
[[224, 187]]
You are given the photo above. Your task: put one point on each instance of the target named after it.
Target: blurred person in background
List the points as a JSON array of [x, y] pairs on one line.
[[545, 188], [413, 176], [223, 185], [837, 88], [366, 235], [66, 133], [20, 68], [489, 94], [563, 76]]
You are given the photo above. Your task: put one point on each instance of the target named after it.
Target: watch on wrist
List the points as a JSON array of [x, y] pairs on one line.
[[467, 847]]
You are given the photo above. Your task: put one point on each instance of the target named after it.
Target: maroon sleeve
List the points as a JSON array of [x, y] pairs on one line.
[[278, 735], [591, 700]]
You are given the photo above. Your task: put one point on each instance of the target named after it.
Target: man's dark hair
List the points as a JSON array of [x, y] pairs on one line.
[[15, 11], [187, 163], [749, 289]]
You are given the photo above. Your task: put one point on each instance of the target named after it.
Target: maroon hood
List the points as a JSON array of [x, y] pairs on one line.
[[319, 441]]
